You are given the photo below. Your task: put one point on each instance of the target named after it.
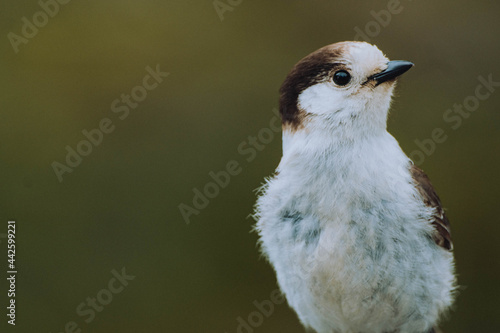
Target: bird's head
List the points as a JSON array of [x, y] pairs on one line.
[[344, 87]]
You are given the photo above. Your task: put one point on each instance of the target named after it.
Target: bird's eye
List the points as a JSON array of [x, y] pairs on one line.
[[341, 78]]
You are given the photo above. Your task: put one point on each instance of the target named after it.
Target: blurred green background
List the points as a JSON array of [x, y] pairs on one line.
[[120, 206]]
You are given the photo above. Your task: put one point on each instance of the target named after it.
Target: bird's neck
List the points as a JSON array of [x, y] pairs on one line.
[[320, 134]]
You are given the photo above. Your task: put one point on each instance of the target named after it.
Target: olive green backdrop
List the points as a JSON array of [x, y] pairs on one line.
[[119, 207]]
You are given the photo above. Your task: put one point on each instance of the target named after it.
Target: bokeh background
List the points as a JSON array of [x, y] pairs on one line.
[[120, 206]]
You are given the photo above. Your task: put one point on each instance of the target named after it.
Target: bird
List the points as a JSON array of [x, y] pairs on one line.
[[354, 230]]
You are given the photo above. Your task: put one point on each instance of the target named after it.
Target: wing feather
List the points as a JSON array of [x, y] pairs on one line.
[[442, 233]]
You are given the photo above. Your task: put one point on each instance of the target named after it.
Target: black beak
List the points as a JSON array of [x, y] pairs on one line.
[[394, 69]]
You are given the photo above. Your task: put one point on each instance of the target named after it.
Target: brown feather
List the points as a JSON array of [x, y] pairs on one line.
[[314, 68], [442, 234]]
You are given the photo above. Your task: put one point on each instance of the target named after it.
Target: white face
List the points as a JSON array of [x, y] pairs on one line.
[[342, 90], [329, 98]]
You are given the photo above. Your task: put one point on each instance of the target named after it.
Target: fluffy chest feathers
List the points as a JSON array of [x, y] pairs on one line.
[[350, 239], [336, 180]]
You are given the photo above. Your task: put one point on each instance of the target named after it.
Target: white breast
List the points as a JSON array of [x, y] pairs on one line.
[[348, 236]]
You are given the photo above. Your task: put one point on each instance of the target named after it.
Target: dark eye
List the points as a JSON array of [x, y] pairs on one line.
[[341, 78]]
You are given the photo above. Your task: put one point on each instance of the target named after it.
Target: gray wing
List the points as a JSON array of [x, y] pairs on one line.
[[442, 233]]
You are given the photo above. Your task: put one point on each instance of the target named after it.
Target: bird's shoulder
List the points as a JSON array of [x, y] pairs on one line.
[[442, 233]]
